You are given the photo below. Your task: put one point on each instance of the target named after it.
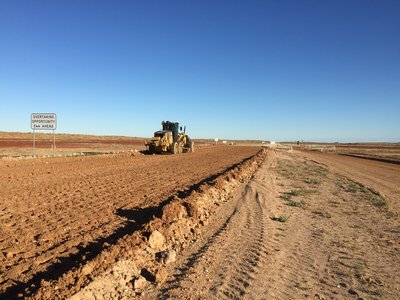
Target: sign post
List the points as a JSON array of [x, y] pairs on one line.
[[34, 143], [44, 121], [54, 143]]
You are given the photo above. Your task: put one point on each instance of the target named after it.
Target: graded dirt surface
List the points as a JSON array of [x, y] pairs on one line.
[[221, 223], [57, 213], [297, 229], [381, 176]]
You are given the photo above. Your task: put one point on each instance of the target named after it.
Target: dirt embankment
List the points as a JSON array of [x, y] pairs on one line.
[[60, 214]]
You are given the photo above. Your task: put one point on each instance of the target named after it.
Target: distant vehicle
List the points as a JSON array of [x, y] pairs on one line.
[[170, 140]]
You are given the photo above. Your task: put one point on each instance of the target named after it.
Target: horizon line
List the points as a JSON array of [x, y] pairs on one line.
[[301, 141]]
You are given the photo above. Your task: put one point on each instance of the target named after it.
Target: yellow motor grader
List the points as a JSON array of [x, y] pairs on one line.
[[170, 140]]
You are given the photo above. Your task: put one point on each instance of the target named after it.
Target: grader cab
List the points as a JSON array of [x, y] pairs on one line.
[[170, 139]]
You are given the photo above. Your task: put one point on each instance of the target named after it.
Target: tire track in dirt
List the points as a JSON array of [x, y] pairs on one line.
[[288, 263], [297, 255], [294, 270], [247, 251]]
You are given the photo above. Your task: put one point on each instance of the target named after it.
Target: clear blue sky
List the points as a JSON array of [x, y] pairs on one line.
[[280, 70]]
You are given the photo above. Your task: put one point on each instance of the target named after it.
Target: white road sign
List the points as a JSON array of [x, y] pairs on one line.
[[47, 121]]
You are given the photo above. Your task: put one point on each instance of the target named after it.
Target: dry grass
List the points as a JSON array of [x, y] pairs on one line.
[[364, 193]]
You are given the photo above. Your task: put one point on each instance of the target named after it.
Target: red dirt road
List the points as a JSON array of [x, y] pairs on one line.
[[381, 176], [53, 210]]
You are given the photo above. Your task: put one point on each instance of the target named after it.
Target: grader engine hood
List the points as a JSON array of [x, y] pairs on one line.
[[161, 141], [155, 141]]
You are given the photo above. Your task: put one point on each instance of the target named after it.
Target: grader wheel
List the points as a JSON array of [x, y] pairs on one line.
[[180, 148], [175, 148]]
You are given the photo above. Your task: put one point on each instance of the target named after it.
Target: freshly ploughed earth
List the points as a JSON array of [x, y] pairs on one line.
[[51, 208], [303, 225]]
